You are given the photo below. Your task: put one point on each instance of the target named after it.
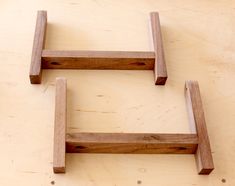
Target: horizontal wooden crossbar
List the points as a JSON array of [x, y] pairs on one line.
[[135, 143], [197, 143], [102, 60], [115, 60]]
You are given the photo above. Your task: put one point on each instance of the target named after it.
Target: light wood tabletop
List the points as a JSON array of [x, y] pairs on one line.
[[199, 44]]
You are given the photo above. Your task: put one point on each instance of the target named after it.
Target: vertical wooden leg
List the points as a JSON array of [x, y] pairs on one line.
[[38, 45], [203, 155], [160, 71], [60, 126]]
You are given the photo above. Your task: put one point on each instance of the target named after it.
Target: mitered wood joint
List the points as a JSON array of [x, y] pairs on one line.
[[135, 143], [109, 60]]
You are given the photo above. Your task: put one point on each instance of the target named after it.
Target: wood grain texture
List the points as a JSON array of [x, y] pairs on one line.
[[118, 60], [203, 155], [38, 45], [136, 143], [160, 71], [60, 126]]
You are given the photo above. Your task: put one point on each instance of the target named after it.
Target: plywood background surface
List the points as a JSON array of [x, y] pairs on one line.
[[199, 43]]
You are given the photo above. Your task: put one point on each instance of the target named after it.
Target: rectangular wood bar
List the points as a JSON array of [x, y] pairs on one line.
[[135, 143], [203, 155], [38, 45], [60, 126], [160, 71], [119, 60]]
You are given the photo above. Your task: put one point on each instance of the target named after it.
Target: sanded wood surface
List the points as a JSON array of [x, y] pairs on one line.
[[135, 143], [203, 154], [160, 71], [52, 59], [38, 45], [60, 126]]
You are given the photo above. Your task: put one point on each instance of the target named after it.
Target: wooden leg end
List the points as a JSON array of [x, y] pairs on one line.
[[58, 170], [205, 171], [160, 80], [35, 79]]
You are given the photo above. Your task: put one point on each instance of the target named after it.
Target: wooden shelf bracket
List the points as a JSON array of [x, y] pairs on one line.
[[143, 143], [110, 60]]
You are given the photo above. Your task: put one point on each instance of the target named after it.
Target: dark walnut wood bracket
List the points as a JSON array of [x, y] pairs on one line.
[[136, 143], [112, 60]]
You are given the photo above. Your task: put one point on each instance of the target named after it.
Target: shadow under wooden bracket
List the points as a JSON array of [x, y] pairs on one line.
[[113, 60], [147, 143]]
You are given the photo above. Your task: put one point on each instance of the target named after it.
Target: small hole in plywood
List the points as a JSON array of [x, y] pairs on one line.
[[139, 182]]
